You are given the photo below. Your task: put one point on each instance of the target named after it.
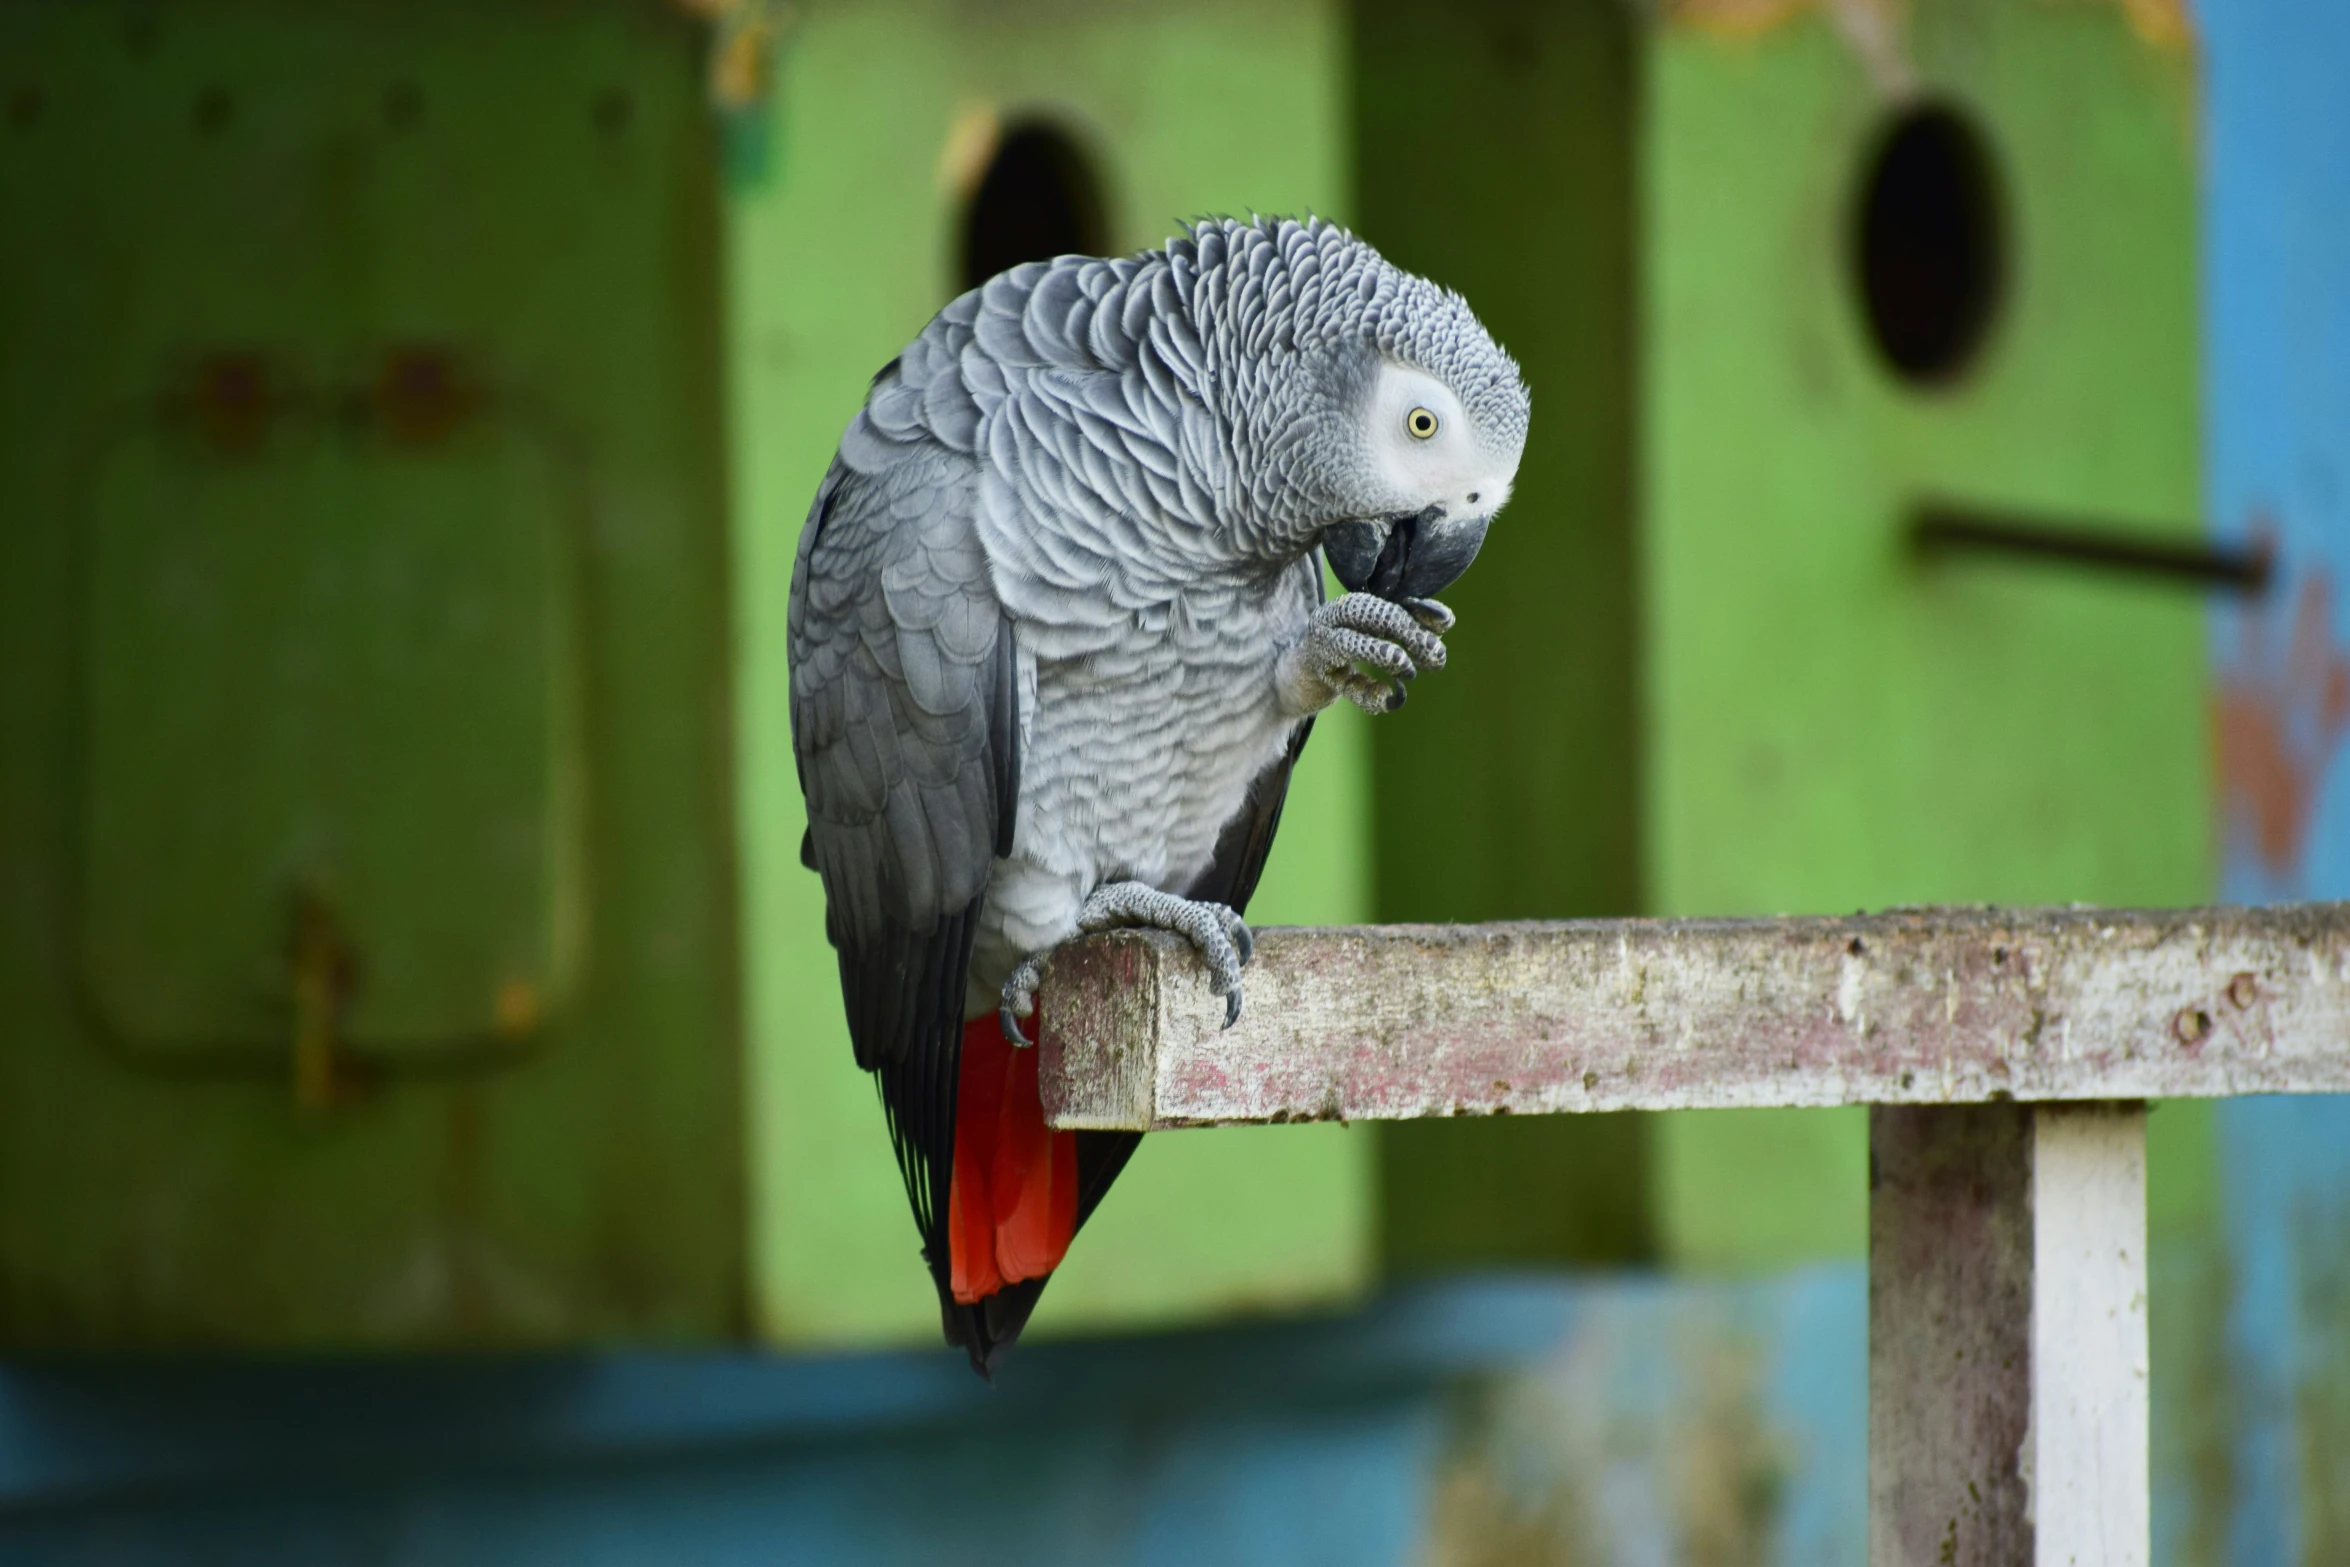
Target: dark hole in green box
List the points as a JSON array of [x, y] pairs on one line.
[[1038, 199], [1930, 252]]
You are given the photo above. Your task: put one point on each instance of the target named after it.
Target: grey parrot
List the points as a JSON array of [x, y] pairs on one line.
[[1057, 636]]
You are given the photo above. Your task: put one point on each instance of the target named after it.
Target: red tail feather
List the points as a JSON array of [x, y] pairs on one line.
[[1012, 1206]]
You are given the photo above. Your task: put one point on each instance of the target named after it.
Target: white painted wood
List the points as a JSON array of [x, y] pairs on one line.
[[1926, 1006], [2088, 1471], [2008, 1409]]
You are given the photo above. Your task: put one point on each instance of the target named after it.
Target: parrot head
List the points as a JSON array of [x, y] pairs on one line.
[[1436, 472], [1435, 415], [1374, 415]]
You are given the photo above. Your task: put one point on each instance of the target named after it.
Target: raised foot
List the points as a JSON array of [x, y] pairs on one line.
[[1347, 636]]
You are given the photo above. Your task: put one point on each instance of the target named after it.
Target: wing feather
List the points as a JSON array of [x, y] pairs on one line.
[[904, 707]]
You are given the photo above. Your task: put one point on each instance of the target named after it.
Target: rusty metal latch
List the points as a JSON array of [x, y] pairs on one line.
[[325, 974]]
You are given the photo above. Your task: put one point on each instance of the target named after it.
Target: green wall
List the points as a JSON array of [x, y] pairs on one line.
[[1697, 670], [451, 668], [1829, 726], [1493, 153], [503, 703], [592, 1078], [839, 248]]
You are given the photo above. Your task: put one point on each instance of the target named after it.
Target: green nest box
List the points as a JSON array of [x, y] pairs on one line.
[[1785, 279], [406, 418]]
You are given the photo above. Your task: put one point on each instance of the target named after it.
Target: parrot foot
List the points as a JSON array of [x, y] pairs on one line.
[[1020, 999], [1221, 936], [1394, 639]]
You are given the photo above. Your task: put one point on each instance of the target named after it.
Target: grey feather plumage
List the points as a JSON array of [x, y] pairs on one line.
[[1040, 599]]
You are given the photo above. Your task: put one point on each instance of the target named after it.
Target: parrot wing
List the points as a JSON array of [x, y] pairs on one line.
[[905, 727]]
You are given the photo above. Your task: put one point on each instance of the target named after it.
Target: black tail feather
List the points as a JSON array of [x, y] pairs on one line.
[[988, 1329]]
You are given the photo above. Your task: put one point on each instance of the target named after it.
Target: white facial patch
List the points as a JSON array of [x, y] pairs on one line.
[[1425, 449]]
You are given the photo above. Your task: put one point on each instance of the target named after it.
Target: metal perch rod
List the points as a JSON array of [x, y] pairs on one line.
[[1942, 530]]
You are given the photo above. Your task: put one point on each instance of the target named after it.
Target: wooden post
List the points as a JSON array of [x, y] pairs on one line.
[[2007, 1336], [1996, 1048], [1950, 1291], [2091, 1490]]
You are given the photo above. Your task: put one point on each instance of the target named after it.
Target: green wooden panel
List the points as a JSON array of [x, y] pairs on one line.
[[1494, 152], [463, 671], [1830, 726], [308, 628], [840, 248]]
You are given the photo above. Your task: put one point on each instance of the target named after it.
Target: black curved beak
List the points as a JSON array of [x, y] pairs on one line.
[[1397, 558]]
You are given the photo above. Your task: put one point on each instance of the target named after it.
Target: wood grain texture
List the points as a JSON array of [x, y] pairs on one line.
[[1923, 1006], [2008, 1408], [1950, 1334]]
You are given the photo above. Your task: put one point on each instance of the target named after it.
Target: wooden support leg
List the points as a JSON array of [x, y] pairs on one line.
[[2007, 1336], [2091, 1487]]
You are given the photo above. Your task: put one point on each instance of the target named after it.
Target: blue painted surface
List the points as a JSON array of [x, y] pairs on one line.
[[1321, 1442], [1691, 1421], [113, 1425], [1302, 1442], [1819, 1384], [2277, 349], [2288, 1209], [1313, 1485], [2277, 284]]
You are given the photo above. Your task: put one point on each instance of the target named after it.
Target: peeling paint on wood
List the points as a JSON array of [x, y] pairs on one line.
[[1877, 31], [1922, 1006]]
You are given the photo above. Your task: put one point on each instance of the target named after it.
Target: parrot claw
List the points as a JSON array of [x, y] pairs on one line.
[[1430, 614], [1020, 1000], [1220, 936], [1242, 938]]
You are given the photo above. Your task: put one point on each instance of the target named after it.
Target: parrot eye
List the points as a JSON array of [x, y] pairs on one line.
[[1421, 423]]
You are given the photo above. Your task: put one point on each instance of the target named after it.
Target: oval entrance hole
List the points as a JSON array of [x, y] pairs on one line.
[[1930, 253], [1038, 199]]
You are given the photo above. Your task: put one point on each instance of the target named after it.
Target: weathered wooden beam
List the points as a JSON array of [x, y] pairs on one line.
[[2007, 1272], [1924, 1006], [2008, 1409]]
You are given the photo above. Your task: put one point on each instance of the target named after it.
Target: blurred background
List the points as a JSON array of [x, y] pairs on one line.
[[428, 1131]]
